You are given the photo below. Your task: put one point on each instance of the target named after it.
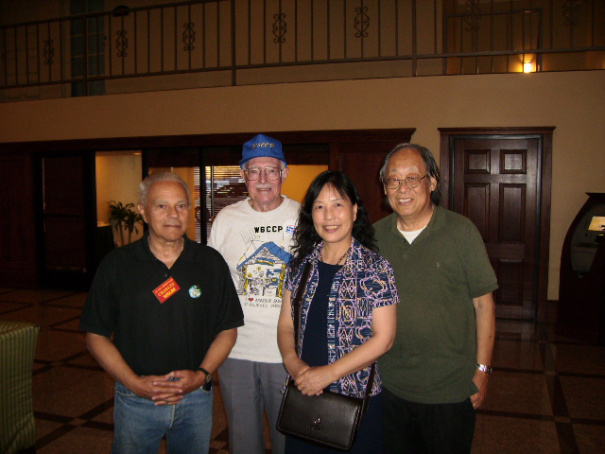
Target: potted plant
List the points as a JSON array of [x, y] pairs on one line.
[[124, 218]]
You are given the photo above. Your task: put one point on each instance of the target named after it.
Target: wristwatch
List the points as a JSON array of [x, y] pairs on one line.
[[484, 368], [207, 386]]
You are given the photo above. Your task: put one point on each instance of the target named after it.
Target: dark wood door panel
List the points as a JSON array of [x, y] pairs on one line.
[[495, 185], [66, 255]]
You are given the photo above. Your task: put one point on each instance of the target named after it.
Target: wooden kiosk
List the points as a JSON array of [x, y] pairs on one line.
[[582, 282]]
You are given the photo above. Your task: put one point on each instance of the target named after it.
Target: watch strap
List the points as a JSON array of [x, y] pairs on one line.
[[208, 374]]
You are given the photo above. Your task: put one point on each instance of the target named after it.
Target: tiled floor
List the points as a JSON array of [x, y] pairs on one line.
[[547, 394]]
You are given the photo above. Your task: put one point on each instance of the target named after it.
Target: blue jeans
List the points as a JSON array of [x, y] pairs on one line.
[[139, 425]]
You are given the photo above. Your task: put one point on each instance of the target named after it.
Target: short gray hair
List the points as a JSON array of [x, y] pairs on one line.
[[432, 169], [160, 176]]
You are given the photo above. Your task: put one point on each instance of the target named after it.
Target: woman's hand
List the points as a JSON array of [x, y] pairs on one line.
[[295, 366], [314, 380]]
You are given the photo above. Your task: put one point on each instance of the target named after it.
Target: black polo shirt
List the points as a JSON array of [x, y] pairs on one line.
[[162, 319]]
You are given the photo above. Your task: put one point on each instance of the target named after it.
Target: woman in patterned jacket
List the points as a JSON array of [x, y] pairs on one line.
[[348, 309]]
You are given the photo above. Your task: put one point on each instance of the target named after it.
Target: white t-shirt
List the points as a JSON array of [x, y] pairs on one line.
[[411, 236], [256, 246]]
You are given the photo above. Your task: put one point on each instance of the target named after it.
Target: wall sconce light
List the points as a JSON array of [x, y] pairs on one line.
[[528, 64]]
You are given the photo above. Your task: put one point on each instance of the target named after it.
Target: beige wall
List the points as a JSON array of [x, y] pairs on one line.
[[573, 102]]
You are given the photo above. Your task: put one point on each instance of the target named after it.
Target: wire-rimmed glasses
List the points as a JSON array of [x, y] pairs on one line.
[[411, 182], [272, 173]]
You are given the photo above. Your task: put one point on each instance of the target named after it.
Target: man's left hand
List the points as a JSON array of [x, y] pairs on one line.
[[177, 384], [480, 380]]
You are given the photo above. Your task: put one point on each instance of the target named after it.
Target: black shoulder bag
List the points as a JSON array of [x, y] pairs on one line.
[[329, 419]]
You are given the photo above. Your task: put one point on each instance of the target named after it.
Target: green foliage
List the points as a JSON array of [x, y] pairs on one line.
[[124, 218]]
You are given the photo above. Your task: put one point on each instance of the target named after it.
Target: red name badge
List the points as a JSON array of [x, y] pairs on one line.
[[166, 290]]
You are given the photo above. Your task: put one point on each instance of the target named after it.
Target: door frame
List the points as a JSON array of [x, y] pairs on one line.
[[545, 136]]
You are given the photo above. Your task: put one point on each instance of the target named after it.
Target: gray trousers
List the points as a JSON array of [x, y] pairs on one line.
[[248, 389]]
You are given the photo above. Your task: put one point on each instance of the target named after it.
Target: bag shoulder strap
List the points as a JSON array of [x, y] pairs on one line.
[[297, 304]]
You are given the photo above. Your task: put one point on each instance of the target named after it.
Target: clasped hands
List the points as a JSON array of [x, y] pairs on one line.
[[168, 389], [311, 381]]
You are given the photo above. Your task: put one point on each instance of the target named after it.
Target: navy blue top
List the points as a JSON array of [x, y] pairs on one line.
[[315, 339]]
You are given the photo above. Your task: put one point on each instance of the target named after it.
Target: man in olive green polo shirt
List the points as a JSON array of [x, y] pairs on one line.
[[436, 374]]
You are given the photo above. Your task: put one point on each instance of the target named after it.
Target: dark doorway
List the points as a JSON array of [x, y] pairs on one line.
[[66, 254], [501, 181]]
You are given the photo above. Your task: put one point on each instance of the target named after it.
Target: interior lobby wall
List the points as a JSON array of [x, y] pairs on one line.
[[572, 102]]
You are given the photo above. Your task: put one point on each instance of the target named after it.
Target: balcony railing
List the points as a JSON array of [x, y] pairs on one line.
[[238, 42]]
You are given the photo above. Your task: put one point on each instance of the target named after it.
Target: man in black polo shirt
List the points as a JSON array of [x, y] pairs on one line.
[[173, 312]]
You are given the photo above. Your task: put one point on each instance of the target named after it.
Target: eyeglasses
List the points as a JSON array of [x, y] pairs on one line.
[[411, 182], [272, 173]]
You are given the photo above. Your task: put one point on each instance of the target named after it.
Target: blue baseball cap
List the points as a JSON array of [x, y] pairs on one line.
[[261, 146]]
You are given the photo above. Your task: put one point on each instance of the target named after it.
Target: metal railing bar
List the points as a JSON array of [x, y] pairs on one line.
[[414, 41], [312, 30], [461, 44], [176, 39], [204, 35], [523, 37], [62, 62], [310, 63], [362, 37], [233, 45], [552, 20], [38, 52], [379, 29], [27, 54], [265, 31], [295, 30], [123, 45], [218, 34], [344, 14], [136, 47], [85, 56], [148, 40], [162, 39], [328, 30], [188, 47], [491, 40], [279, 31], [509, 32], [435, 19], [16, 57], [396, 28], [109, 46], [50, 66], [249, 32], [98, 45]]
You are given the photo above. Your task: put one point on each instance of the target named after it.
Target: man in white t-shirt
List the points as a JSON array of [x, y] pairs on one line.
[[255, 236]]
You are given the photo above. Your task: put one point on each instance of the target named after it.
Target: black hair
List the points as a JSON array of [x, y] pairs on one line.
[[306, 237]]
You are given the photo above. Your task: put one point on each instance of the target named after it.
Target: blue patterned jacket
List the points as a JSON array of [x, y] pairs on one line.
[[366, 281]]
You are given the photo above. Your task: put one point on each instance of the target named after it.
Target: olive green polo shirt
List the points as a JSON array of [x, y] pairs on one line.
[[433, 358]]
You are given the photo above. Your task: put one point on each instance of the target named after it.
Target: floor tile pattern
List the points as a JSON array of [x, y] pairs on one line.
[[547, 393]]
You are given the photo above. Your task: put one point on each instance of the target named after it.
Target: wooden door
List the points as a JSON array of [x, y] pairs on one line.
[[362, 163], [496, 182], [66, 240]]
